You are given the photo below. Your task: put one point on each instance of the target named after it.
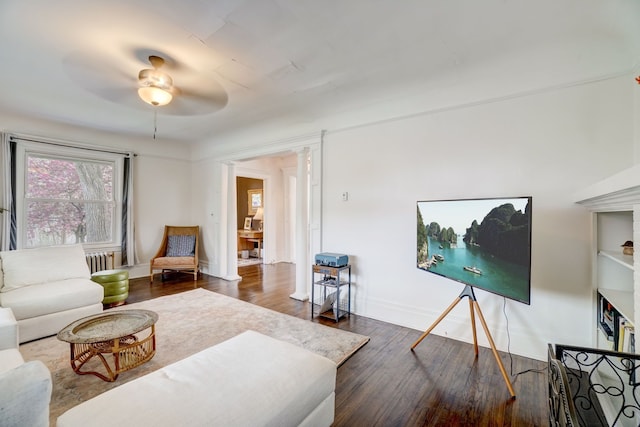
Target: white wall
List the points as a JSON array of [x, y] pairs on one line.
[[206, 181], [546, 145], [163, 195]]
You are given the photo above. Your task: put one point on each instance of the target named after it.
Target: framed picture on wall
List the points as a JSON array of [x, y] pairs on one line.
[[254, 200], [247, 223]]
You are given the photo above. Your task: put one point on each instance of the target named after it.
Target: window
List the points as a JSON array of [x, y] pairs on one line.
[[69, 199]]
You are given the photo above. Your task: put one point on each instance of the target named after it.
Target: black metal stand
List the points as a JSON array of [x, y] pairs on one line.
[[473, 308]]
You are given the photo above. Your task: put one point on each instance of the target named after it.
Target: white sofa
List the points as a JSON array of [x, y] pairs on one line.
[[25, 388], [249, 380], [47, 288]]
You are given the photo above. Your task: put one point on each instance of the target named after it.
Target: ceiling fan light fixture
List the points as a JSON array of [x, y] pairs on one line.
[[155, 86], [152, 77], [154, 95]]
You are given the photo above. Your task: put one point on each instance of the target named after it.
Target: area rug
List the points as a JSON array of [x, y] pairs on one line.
[[187, 323], [249, 261]]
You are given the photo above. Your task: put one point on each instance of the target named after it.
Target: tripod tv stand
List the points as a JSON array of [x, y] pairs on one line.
[[474, 307]]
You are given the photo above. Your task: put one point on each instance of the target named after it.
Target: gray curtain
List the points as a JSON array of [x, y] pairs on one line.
[[128, 241], [8, 236]]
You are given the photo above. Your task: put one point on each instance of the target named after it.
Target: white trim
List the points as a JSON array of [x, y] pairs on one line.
[[618, 192], [231, 153], [25, 148], [62, 143]]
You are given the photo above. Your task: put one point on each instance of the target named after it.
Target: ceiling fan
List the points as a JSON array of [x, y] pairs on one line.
[[182, 88], [155, 86]]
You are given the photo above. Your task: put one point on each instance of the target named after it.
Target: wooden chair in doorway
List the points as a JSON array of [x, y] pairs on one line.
[[178, 251]]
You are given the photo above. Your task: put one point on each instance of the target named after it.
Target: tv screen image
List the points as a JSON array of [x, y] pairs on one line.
[[484, 243]]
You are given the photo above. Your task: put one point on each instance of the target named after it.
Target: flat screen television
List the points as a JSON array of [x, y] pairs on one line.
[[484, 243]]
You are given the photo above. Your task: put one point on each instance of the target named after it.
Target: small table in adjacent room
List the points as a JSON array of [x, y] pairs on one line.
[[112, 333], [247, 239]]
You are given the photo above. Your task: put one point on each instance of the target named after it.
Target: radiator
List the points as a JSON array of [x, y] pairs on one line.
[[99, 261]]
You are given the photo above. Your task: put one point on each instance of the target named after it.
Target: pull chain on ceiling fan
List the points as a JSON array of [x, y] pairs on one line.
[[155, 86]]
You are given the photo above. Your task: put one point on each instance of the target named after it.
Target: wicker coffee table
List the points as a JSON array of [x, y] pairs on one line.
[[111, 334]]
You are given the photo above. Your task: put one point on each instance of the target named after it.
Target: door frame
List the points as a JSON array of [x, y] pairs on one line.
[[308, 215]]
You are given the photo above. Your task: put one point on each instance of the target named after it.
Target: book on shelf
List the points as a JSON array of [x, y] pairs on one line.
[[627, 337], [607, 314], [607, 319]]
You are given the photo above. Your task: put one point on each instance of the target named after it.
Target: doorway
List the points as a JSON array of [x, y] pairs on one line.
[[250, 218], [301, 159]]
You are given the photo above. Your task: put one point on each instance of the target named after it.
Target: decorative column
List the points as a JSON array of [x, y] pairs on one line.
[[303, 268], [232, 226]]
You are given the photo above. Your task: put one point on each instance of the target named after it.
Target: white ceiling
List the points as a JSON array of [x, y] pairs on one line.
[[299, 64]]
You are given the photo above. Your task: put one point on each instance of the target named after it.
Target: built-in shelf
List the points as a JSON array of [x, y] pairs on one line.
[[615, 204], [621, 300], [625, 260]]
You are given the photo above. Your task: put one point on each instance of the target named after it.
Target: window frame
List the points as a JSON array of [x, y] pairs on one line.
[[26, 149]]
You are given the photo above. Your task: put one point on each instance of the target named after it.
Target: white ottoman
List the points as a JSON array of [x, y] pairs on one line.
[[248, 380]]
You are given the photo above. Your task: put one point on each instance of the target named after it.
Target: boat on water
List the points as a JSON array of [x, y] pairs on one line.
[[473, 269], [439, 257]]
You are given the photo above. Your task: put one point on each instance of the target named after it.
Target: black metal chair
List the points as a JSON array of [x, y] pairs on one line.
[[593, 387], [562, 412]]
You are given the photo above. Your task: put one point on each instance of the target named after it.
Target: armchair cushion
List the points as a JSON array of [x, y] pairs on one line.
[[25, 393], [169, 262], [180, 245]]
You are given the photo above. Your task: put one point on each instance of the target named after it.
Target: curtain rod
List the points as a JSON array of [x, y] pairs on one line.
[[70, 145]]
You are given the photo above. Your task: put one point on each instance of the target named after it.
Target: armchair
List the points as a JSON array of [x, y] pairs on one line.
[[178, 251]]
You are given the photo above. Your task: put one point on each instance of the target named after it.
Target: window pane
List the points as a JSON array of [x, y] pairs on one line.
[[56, 223], [66, 179], [68, 200]]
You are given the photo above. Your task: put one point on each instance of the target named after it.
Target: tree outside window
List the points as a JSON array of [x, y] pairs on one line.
[[68, 201]]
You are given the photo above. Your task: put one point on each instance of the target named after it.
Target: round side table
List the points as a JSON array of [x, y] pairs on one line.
[[115, 284]]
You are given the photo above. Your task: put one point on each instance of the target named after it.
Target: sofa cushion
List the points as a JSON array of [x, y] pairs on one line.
[[28, 267], [32, 301]]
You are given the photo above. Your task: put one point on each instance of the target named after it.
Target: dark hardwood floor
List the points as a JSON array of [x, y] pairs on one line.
[[440, 383]]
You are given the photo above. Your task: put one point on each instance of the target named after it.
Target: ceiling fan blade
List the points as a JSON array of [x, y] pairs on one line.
[[182, 105], [123, 96], [91, 70]]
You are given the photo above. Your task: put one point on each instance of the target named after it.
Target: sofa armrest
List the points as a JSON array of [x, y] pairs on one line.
[[8, 329]]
